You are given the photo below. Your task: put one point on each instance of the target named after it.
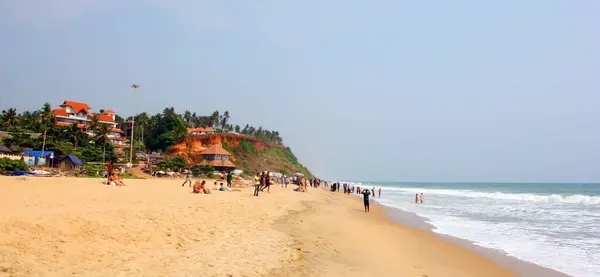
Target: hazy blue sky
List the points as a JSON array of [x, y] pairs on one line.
[[368, 90]]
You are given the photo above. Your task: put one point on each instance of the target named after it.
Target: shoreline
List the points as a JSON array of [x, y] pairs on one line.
[[59, 226], [514, 264]]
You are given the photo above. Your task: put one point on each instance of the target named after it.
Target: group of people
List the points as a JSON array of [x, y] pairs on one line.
[[419, 198], [351, 189], [201, 187], [113, 175], [262, 181]]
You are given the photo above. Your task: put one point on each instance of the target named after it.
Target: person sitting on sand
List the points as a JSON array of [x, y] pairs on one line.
[[119, 180], [222, 188], [199, 186], [111, 180], [300, 188]]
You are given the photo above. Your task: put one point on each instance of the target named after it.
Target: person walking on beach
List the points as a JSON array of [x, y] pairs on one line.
[[188, 179], [366, 195], [256, 184], [379, 193], [421, 198], [229, 178], [373, 192]]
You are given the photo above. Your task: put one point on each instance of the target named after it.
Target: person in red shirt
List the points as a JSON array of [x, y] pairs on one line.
[[109, 170]]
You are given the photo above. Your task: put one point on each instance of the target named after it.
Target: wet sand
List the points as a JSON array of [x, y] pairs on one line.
[[77, 226]]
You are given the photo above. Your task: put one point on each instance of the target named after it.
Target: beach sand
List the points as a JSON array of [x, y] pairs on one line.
[[155, 227]]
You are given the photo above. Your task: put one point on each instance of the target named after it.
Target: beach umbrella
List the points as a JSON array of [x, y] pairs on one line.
[[299, 174]]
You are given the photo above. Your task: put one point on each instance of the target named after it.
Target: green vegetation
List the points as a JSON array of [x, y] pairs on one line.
[[7, 164], [202, 170], [275, 159], [37, 130], [167, 130], [172, 164]]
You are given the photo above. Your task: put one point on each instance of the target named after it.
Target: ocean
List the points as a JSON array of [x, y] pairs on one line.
[[556, 226]]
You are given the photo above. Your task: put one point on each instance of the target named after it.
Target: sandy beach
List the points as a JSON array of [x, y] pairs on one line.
[[77, 226]]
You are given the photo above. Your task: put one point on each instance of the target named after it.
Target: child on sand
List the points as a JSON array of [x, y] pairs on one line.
[[256, 184], [188, 179], [111, 180]]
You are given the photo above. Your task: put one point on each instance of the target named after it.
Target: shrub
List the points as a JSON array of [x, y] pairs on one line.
[[174, 164], [7, 164], [247, 147], [202, 170]]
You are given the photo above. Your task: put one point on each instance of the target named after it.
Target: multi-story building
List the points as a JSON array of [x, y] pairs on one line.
[[71, 112]]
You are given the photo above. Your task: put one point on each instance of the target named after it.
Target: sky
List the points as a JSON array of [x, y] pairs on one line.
[[384, 90]]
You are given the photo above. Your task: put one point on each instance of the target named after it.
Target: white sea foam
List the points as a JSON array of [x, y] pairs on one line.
[[554, 231], [575, 199]]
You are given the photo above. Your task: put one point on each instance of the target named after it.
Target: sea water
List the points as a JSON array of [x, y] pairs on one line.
[[553, 225]]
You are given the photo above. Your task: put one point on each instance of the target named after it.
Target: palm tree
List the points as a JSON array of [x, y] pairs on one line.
[[223, 120], [142, 120], [47, 121], [187, 116], [10, 117], [73, 134], [94, 123], [214, 119], [102, 136]]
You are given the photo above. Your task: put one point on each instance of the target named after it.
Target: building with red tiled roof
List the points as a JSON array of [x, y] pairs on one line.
[[72, 112], [200, 130], [75, 107], [217, 157]]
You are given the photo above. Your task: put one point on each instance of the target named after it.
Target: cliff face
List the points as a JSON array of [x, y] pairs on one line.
[[249, 154]]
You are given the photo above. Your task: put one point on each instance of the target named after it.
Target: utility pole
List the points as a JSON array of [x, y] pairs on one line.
[[135, 87]]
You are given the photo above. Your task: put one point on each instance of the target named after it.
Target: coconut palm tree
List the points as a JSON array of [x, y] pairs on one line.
[[102, 132], [74, 134], [47, 122], [142, 122], [10, 117], [187, 116]]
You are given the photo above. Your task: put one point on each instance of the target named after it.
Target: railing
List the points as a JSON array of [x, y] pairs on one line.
[[12, 157]]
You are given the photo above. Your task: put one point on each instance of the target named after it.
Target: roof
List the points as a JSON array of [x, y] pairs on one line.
[[68, 124], [116, 130], [200, 129], [110, 112], [215, 149], [38, 153], [217, 163], [73, 159], [77, 106], [105, 118], [4, 149], [60, 112]]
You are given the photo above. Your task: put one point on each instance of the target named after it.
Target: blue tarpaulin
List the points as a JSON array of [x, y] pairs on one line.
[[74, 160], [38, 153]]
